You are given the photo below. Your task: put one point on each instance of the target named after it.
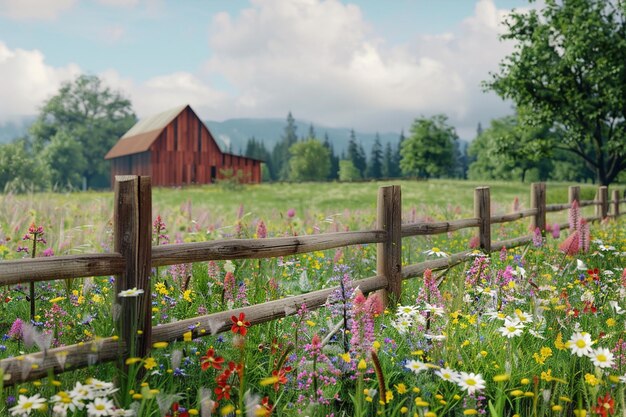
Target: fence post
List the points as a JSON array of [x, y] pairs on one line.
[[133, 240], [389, 253], [603, 199], [574, 194], [615, 203], [538, 201], [482, 210]]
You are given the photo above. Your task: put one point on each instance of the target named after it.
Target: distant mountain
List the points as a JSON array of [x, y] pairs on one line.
[[15, 128], [234, 134]]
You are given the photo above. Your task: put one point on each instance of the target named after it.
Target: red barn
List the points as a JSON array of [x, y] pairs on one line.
[[176, 148]]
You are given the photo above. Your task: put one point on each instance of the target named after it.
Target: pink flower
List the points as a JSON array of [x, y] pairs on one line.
[[556, 231], [261, 230], [571, 245], [16, 329], [291, 213]]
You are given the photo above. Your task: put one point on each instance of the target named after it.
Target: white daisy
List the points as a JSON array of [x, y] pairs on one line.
[[402, 325], [436, 310], [415, 366], [470, 382], [100, 407], [437, 252], [132, 292], [616, 307], [407, 311], [63, 401], [602, 358], [82, 392], [580, 344], [447, 374], [26, 404], [512, 327], [523, 317]]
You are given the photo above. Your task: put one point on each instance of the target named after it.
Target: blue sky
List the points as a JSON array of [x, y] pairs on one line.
[[371, 65]]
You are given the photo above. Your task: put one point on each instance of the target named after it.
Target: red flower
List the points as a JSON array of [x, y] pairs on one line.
[[223, 391], [265, 408], [606, 405], [177, 411], [239, 324], [211, 361], [281, 377]]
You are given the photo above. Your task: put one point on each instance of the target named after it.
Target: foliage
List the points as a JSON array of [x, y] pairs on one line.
[[309, 161], [375, 166], [347, 171], [429, 151], [231, 180], [94, 117], [65, 159], [567, 71], [508, 150], [280, 153], [19, 170], [356, 154]]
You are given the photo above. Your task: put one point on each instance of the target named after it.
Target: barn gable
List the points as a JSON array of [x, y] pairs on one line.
[[176, 148]]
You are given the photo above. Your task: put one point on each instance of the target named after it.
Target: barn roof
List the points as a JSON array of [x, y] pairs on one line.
[[143, 134]]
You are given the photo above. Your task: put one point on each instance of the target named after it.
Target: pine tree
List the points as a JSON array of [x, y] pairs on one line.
[[375, 166], [280, 153], [356, 154], [334, 160], [311, 134], [396, 172], [388, 161]]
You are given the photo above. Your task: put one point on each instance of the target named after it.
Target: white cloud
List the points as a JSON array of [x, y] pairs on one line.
[[113, 33], [34, 9], [26, 81], [319, 59]]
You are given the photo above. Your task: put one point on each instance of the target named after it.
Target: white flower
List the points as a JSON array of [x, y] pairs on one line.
[[512, 327], [101, 388], [120, 412], [447, 374], [229, 266], [436, 310], [523, 317], [415, 366], [616, 307], [470, 382], [407, 311], [82, 392], [100, 407], [622, 379], [63, 402], [587, 297], [580, 265], [602, 358], [437, 252], [132, 292], [26, 404], [580, 344], [434, 336], [604, 248], [402, 325]]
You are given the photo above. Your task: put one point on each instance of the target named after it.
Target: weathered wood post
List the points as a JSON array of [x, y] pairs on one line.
[[615, 203], [574, 194], [603, 200], [133, 240], [538, 201], [389, 253], [482, 211]]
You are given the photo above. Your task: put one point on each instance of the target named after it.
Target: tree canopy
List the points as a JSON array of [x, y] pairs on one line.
[[430, 149], [568, 71], [85, 113], [309, 161]]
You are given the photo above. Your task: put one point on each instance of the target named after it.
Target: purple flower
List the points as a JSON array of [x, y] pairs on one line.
[[556, 231], [16, 329], [48, 252], [291, 213], [537, 238]]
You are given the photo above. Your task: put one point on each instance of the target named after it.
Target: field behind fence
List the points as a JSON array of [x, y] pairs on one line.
[[133, 258]]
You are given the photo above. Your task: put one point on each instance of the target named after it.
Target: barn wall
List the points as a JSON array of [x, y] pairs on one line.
[[185, 153], [135, 164]]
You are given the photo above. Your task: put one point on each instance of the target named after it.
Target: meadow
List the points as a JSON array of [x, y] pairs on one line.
[[537, 330]]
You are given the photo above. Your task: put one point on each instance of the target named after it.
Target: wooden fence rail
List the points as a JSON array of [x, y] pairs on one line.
[[134, 256]]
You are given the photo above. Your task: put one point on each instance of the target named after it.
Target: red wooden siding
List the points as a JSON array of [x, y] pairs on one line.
[[185, 153]]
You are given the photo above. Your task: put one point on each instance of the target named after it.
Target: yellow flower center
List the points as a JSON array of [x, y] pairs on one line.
[[99, 407], [601, 358], [581, 343], [28, 405], [239, 323], [470, 382]]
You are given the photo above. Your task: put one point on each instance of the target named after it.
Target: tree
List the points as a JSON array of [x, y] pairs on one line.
[[356, 154], [92, 115], [334, 159], [429, 151], [19, 170], [387, 167], [310, 161], [395, 170], [568, 71], [375, 167], [347, 171], [280, 153], [508, 150], [65, 160]]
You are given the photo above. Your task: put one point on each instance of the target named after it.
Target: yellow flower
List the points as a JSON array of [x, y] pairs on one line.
[[401, 388], [57, 299], [346, 357], [149, 363], [611, 322], [310, 323], [193, 412], [580, 413], [132, 361], [160, 345], [362, 365], [557, 407], [227, 409], [389, 396], [187, 296], [404, 410], [501, 377], [525, 381], [517, 393], [268, 381], [592, 380], [430, 414], [470, 412], [137, 396], [187, 336], [558, 343], [376, 345]]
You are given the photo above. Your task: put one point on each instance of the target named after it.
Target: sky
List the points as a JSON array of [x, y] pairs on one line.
[[371, 65]]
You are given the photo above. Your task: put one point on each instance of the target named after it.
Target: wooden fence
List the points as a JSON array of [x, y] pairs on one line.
[[134, 257]]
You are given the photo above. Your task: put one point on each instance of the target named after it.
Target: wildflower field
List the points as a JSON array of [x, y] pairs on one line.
[[538, 330]]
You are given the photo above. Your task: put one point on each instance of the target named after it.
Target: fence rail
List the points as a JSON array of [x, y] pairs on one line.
[[134, 256]]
